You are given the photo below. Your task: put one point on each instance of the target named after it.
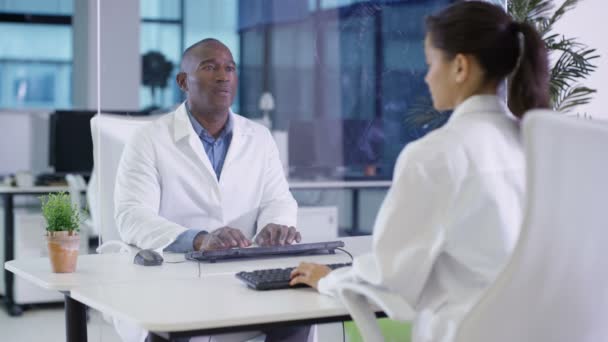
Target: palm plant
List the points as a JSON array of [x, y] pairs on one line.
[[575, 61], [422, 118]]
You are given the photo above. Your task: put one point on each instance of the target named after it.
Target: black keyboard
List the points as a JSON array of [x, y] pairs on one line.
[[327, 247], [274, 278]]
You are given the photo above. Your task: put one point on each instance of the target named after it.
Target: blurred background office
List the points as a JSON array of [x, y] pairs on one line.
[[339, 82]]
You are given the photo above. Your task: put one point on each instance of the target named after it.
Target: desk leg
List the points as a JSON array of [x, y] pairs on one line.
[[75, 320], [354, 230], [9, 254]]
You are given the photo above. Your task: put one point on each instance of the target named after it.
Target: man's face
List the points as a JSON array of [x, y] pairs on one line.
[[210, 79]]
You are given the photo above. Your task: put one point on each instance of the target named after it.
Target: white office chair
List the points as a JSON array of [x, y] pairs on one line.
[[555, 287], [110, 134], [76, 185]]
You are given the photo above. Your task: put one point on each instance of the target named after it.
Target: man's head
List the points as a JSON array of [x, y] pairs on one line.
[[208, 76]]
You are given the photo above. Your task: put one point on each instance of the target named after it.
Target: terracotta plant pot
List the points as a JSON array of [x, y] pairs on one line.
[[63, 250]]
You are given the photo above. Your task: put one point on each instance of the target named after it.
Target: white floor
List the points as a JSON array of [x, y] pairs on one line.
[[48, 324]]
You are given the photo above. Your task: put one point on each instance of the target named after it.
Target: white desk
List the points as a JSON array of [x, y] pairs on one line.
[[212, 304], [112, 284], [32, 190], [111, 268], [8, 193]]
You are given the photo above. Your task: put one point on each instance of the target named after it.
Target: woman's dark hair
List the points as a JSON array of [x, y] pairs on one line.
[[487, 32]]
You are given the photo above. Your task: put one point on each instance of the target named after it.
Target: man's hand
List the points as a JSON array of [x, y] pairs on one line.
[[222, 238], [275, 234], [309, 274]]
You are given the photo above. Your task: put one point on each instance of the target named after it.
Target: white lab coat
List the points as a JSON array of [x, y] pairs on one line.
[[165, 183], [447, 225]]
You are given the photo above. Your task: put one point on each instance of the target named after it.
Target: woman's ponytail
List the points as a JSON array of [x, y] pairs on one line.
[[529, 82]]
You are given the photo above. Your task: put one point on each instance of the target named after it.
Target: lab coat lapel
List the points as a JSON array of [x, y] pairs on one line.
[[240, 131], [185, 137]]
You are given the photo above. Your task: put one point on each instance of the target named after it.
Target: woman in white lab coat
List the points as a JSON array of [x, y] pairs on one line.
[[452, 216]]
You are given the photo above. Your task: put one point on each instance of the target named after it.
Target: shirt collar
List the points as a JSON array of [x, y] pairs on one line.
[[480, 104], [204, 134]]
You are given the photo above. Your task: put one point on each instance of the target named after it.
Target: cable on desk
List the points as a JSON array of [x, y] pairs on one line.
[[345, 251]]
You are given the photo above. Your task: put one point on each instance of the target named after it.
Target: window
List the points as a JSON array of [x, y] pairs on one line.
[[348, 74], [36, 54], [170, 26], [345, 74]]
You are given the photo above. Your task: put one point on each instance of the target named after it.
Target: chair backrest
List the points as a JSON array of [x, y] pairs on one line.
[[110, 134], [555, 287]]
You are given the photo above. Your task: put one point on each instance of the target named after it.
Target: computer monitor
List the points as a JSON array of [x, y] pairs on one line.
[[70, 142]]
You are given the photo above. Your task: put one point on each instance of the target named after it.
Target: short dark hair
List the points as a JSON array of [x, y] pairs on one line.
[[197, 44], [487, 32]]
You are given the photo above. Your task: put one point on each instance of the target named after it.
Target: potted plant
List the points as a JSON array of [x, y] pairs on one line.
[[62, 226]]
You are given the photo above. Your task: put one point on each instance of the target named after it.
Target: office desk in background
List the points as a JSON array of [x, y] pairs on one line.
[[354, 186], [8, 195], [112, 284]]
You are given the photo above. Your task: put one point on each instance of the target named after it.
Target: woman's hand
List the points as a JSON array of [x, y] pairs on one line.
[[309, 274]]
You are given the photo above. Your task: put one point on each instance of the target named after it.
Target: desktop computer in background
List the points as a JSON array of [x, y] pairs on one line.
[[70, 142]]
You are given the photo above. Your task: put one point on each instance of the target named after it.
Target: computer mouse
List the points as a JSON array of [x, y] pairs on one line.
[[148, 257]]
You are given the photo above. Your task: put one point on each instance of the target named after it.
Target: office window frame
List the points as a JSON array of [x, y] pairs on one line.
[[38, 19]]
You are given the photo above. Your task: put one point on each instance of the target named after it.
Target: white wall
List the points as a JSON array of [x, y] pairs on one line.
[[119, 55], [587, 21]]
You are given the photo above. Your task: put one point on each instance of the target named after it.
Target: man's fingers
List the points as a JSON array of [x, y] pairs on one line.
[[238, 236], [274, 235], [260, 240], [263, 237], [214, 242], [291, 235], [298, 237], [283, 233], [226, 237]]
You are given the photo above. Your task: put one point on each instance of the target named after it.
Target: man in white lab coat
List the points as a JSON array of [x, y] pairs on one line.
[[203, 177]]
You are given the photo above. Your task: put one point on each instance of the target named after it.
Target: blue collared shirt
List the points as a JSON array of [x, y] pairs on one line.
[[216, 149]]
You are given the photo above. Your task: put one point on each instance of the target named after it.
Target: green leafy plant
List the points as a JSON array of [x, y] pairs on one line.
[[422, 118], [574, 61], [59, 213]]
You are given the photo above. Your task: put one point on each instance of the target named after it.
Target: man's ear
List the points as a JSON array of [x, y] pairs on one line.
[[180, 78], [462, 67]]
